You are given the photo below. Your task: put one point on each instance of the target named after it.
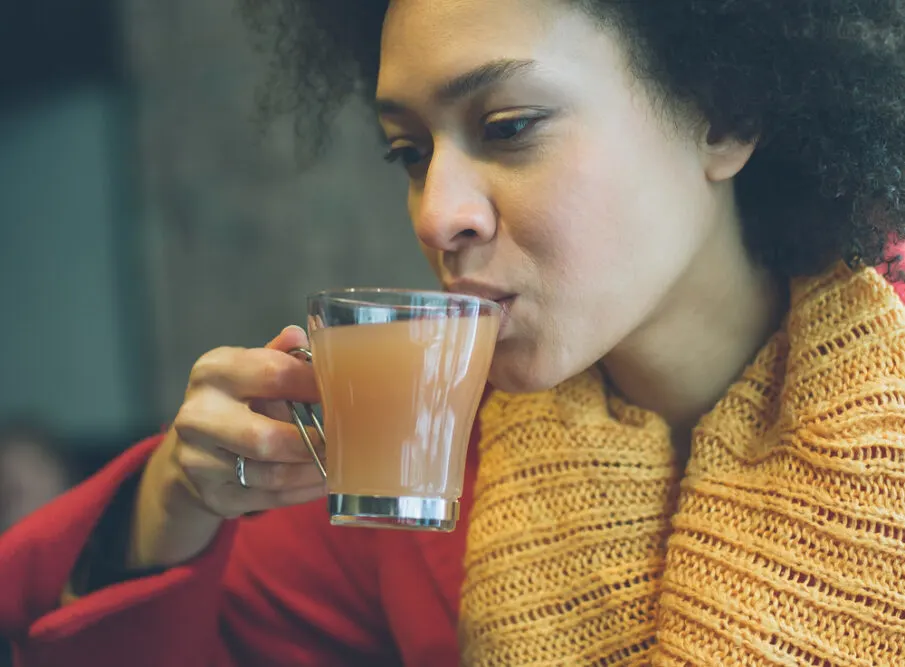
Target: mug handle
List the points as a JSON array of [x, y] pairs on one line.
[[306, 353]]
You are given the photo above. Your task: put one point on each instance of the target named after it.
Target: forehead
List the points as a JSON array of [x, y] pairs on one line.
[[428, 40], [464, 20]]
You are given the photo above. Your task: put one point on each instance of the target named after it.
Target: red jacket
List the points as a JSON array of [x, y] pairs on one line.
[[283, 588]]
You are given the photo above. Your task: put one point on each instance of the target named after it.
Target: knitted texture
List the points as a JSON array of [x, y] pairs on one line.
[[782, 544]]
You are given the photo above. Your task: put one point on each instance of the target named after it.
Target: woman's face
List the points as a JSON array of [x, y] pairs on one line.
[[544, 175]]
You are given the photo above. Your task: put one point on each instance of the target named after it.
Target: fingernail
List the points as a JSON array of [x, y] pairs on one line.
[[294, 326]]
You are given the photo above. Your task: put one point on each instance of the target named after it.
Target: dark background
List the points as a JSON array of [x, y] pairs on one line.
[[146, 218]]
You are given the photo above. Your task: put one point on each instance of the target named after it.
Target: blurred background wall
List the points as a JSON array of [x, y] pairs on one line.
[[145, 219]]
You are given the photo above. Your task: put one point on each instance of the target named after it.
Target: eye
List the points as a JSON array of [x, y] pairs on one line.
[[408, 155], [507, 129]]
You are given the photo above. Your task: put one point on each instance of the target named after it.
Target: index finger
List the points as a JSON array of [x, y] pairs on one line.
[[259, 373]]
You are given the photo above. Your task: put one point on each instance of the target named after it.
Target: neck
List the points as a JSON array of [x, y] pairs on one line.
[[702, 335]]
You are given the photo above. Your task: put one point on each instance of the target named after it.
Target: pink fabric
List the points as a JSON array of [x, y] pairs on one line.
[[894, 268]]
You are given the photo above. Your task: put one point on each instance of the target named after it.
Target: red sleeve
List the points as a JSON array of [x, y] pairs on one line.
[[894, 266], [282, 596]]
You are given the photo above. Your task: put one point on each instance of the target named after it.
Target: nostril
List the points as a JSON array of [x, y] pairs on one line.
[[468, 233]]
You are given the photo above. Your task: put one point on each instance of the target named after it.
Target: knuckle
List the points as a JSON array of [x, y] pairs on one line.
[[185, 461], [192, 467], [183, 425], [273, 371], [271, 476], [209, 365], [188, 421], [258, 437], [279, 476], [283, 474]]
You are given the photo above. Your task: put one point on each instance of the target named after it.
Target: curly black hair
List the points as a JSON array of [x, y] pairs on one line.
[[819, 84]]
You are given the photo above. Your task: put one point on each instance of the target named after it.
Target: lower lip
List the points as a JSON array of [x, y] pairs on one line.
[[506, 305]]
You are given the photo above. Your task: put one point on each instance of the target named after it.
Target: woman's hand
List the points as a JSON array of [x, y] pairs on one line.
[[234, 406]]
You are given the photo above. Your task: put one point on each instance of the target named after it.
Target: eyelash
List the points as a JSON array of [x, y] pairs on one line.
[[399, 153], [410, 157]]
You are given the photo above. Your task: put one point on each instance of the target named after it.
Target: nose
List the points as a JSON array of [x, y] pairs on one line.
[[452, 210]]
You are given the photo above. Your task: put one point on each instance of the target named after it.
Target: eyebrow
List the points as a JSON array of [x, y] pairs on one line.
[[464, 85]]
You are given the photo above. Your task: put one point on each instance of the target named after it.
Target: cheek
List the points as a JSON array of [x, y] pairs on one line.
[[572, 217], [609, 212], [607, 225], [655, 186]]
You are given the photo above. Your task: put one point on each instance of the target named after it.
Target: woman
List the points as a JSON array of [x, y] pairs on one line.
[[694, 450]]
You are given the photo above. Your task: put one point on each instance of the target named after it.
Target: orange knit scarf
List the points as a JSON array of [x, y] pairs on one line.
[[782, 544]]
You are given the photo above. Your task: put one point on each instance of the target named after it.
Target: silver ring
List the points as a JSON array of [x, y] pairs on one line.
[[240, 471]]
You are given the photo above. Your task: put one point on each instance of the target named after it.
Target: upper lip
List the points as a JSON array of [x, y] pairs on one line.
[[477, 289]]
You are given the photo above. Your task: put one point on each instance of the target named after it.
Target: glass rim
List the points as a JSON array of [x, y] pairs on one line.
[[342, 296]]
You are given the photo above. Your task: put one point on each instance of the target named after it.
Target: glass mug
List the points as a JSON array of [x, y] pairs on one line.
[[400, 374]]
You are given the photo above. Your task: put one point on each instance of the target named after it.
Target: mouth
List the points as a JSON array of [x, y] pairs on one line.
[[480, 290], [505, 317], [506, 303], [499, 296]]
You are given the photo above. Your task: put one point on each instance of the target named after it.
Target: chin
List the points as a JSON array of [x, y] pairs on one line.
[[516, 371]]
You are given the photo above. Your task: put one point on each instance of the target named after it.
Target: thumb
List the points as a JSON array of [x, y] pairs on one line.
[[288, 339]]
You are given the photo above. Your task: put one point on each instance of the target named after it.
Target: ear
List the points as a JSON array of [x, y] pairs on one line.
[[723, 158]]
